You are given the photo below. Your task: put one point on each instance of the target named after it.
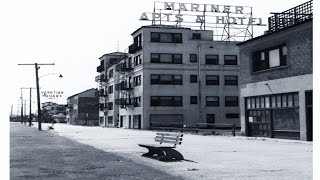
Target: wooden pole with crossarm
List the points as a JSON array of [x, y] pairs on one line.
[[38, 91]]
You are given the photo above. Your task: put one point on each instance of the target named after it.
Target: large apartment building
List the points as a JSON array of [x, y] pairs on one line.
[[276, 77], [172, 76]]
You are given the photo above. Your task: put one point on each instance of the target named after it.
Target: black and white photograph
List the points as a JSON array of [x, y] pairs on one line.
[[159, 90]]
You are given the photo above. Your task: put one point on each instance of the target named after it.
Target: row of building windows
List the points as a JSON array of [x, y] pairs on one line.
[[166, 37], [176, 79], [210, 59], [230, 101], [273, 101], [170, 37], [178, 119]]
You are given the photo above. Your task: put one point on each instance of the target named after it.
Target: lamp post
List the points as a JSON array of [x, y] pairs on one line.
[[199, 78], [38, 96]]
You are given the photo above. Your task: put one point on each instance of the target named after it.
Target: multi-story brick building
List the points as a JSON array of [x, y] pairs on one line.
[[83, 108], [276, 77], [158, 84]]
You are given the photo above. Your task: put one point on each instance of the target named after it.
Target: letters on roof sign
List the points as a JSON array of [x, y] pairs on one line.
[[215, 14]]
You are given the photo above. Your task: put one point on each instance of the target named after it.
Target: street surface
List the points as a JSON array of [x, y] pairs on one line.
[[44, 155], [207, 157]]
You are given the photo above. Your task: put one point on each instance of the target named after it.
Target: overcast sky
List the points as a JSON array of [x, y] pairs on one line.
[[73, 34]]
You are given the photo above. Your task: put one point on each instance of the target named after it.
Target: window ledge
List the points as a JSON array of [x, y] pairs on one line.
[[270, 69]]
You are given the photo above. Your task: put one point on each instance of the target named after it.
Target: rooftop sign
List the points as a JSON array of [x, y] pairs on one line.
[[202, 15]]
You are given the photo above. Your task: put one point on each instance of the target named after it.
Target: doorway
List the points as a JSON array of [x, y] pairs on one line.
[[309, 117]]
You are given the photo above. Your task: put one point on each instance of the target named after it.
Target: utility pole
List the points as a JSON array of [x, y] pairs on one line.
[[21, 99], [11, 113], [30, 112], [38, 91], [25, 112], [30, 118]]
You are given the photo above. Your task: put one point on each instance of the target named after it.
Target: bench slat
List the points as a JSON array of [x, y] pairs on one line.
[[169, 138], [171, 134], [170, 142], [155, 146]]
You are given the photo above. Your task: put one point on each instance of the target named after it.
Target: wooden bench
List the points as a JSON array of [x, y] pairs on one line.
[[163, 152]]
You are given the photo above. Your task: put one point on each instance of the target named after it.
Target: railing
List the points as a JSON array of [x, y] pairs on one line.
[[199, 127], [123, 102], [101, 78], [123, 67], [124, 86], [134, 48], [103, 93], [290, 17], [102, 106], [100, 68]]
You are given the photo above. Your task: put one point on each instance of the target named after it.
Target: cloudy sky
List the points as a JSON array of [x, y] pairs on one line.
[[73, 34]]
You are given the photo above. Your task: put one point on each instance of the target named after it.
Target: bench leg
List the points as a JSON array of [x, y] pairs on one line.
[[171, 155], [153, 151]]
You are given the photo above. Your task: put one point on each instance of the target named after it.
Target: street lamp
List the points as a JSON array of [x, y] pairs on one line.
[[38, 95], [60, 75], [199, 78]]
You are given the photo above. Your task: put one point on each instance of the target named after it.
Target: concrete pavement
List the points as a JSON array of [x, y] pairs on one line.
[[42, 155]]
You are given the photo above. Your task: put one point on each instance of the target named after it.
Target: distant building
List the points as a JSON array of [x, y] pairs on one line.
[[156, 83], [83, 108], [276, 77], [53, 112]]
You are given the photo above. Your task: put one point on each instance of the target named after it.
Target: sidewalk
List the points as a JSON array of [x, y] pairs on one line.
[[40, 155], [208, 157]]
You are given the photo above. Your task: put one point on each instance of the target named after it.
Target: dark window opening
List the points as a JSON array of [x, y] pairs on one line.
[[166, 58], [193, 58], [232, 116], [196, 36], [193, 99], [212, 101], [166, 101], [168, 79], [193, 79], [230, 60], [166, 37], [212, 59], [212, 80], [231, 101], [269, 58], [231, 80]]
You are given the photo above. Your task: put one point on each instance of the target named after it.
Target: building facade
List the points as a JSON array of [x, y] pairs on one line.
[[83, 108], [107, 79], [160, 82], [276, 78]]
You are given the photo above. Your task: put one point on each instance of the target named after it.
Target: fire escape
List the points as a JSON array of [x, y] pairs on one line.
[[125, 83], [102, 80]]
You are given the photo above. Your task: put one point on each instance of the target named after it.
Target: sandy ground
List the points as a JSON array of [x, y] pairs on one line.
[[206, 157]]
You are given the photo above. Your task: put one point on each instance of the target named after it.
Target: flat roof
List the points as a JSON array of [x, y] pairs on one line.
[[160, 27]]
